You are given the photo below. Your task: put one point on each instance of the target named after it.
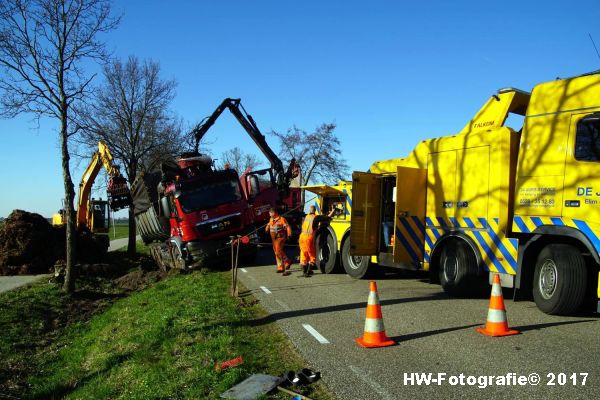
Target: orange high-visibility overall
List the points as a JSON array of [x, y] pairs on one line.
[[308, 253], [280, 230]]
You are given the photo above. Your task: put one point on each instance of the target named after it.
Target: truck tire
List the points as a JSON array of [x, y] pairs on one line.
[[357, 267], [326, 250], [458, 268], [560, 279]]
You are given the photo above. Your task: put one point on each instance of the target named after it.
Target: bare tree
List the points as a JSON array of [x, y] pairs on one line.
[[43, 45], [130, 112], [318, 153], [238, 160]]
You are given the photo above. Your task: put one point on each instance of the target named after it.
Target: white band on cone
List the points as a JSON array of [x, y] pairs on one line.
[[496, 289], [496, 315], [373, 299], [374, 325]]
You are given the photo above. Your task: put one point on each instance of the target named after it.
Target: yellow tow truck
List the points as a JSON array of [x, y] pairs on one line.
[[489, 199], [93, 214]]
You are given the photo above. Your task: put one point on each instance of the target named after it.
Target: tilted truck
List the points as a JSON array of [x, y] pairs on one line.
[[187, 212], [489, 199]]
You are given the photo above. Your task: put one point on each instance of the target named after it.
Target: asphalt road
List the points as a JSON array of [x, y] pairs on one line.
[[117, 244], [12, 282], [435, 334]]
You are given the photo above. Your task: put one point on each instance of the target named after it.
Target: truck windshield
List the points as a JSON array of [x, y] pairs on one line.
[[210, 195]]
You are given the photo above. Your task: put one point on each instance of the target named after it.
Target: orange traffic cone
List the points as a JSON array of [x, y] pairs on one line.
[[374, 335], [496, 324]]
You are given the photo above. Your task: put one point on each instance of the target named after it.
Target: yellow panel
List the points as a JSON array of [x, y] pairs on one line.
[[472, 183], [582, 183], [323, 190], [494, 112], [544, 145], [410, 215], [385, 166], [441, 184], [565, 94], [365, 217], [539, 195]]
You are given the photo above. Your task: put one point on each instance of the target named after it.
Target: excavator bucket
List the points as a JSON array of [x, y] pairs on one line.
[[119, 195]]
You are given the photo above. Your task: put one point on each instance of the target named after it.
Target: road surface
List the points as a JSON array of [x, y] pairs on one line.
[[323, 315], [12, 282], [119, 243]]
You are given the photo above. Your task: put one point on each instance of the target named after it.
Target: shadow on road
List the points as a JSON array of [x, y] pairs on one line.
[[419, 335], [534, 327], [341, 307]]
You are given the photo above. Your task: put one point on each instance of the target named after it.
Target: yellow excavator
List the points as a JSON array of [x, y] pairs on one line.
[[93, 214]]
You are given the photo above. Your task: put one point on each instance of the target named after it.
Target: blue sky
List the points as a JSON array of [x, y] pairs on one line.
[[389, 73]]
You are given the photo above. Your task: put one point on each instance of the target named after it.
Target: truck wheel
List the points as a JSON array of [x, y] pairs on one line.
[[458, 268], [178, 258], [326, 250], [355, 266], [560, 279], [156, 255]]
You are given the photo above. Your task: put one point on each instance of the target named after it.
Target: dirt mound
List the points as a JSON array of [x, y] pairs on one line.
[[139, 279], [27, 244]]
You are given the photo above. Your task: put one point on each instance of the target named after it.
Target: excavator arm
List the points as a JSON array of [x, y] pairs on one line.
[[283, 177], [118, 191]]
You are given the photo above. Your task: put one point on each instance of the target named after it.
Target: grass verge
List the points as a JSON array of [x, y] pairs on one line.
[[162, 342], [118, 231]]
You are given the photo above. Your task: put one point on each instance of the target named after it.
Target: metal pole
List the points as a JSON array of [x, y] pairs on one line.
[[232, 267], [237, 256]]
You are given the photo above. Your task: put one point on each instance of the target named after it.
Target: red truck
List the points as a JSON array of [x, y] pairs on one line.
[[187, 211]]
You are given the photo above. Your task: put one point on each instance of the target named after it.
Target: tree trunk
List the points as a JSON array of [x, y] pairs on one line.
[[131, 173], [71, 225], [132, 233]]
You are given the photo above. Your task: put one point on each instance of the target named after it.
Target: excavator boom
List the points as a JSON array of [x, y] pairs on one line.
[[118, 192]]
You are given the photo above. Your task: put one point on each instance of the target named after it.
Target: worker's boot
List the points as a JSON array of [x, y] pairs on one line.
[[310, 269], [279, 269], [304, 270]]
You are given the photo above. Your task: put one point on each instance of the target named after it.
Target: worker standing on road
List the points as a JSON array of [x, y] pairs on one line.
[[310, 225], [280, 230]]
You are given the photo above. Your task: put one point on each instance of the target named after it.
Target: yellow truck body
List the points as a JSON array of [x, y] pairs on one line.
[[489, 199]]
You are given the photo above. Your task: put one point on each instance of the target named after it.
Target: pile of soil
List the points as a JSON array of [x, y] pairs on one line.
[[28, 244]]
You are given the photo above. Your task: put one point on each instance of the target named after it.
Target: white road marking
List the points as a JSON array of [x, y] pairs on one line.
[[264, 289], [283, 305], [374, 385], [320, 338], [243, 270]]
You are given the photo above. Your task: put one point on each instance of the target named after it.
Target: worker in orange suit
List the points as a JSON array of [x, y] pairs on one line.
[[310, 225], [280, 230]]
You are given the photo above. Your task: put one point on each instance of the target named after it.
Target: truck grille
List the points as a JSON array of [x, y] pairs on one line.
[[220, 224]]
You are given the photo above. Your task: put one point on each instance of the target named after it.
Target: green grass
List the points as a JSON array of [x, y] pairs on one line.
[[162, 342], [140, 248], [32, 318], [27, 315], [119, 231]]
